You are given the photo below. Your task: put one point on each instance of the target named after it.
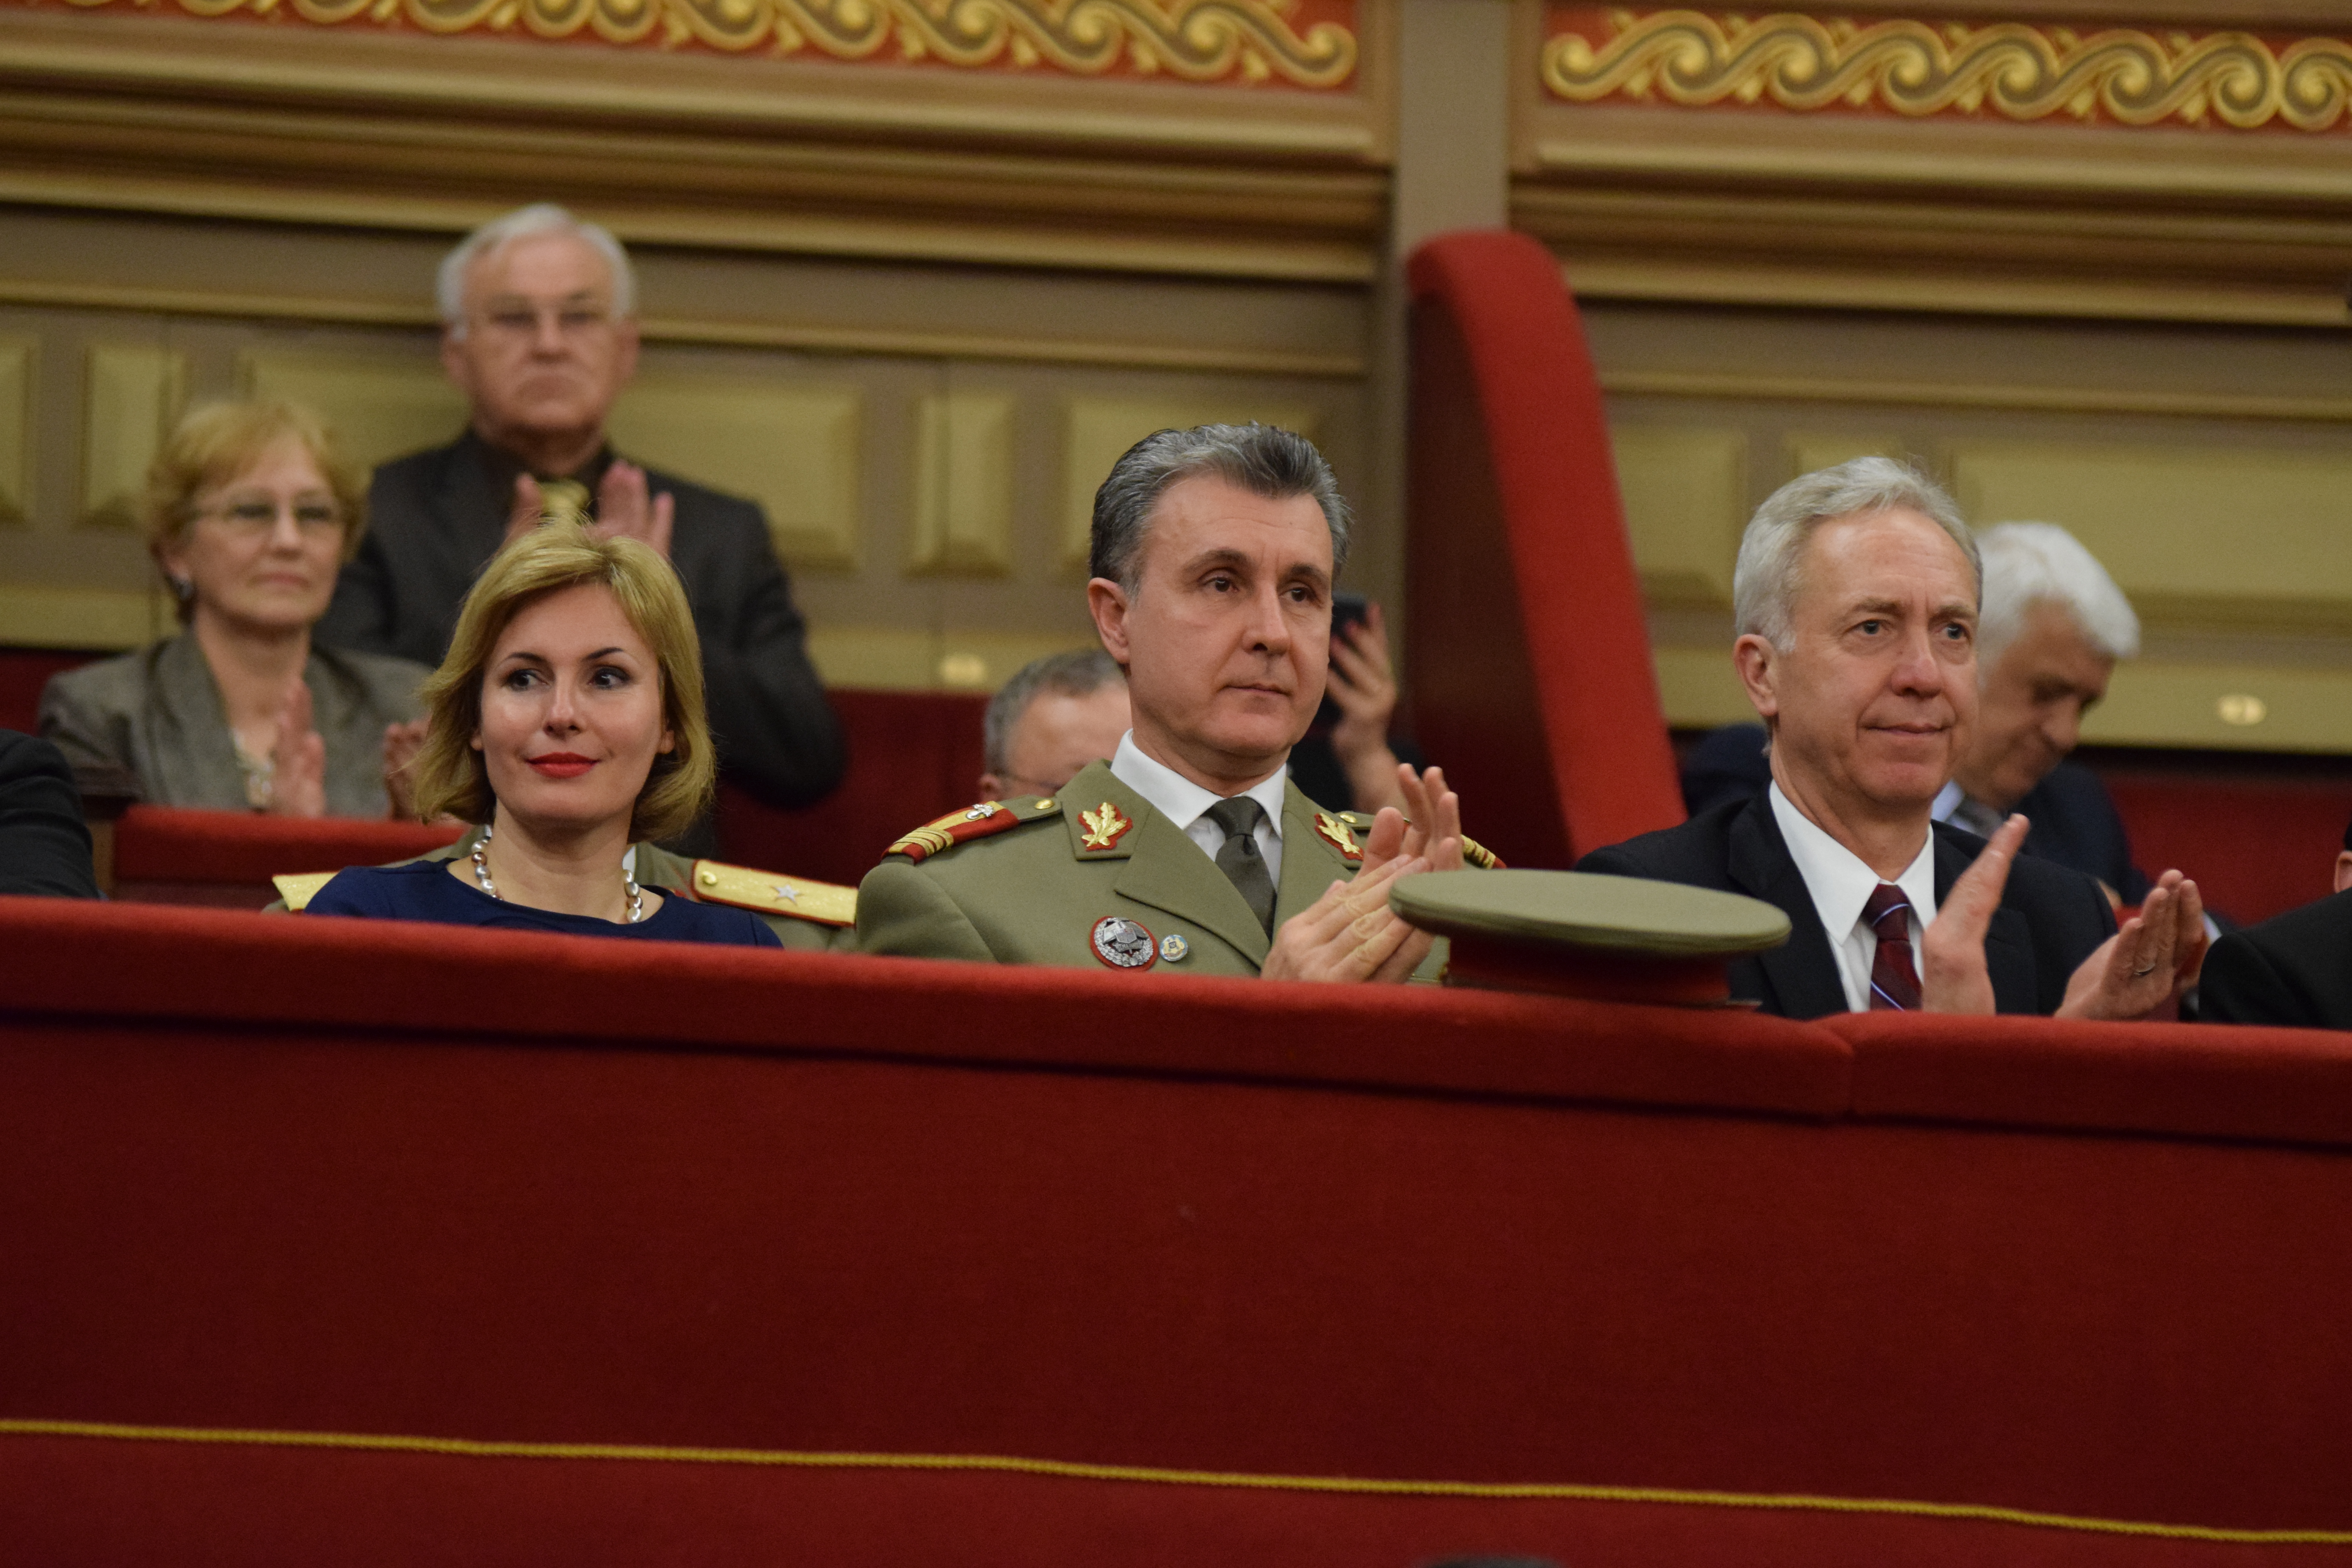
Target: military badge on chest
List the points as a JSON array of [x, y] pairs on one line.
[[1122, 944]]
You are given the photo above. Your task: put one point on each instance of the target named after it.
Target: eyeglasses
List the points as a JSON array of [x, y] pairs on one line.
[[521, 320], [250, 515]]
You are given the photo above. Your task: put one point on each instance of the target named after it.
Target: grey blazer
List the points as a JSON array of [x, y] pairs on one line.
[[157, 711]]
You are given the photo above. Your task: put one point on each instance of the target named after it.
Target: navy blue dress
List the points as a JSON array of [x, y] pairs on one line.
[[425, 890]]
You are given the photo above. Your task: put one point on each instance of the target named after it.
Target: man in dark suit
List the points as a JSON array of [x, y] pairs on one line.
[[44, 846], [2294, 970], [1855, 595], [2052, 626], [539, 331]]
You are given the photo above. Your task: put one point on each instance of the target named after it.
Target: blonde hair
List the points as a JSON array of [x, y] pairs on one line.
[[451, 777], [213, 444]]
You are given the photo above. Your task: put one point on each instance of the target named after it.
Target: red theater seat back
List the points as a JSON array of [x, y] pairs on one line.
[[1529, 670], [178, 854]]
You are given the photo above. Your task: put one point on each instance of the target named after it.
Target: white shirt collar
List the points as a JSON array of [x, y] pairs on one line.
[[1947, 801], [1177, 798], [1839, 880]]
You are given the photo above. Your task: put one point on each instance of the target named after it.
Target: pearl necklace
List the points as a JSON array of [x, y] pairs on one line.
[[482, 875]]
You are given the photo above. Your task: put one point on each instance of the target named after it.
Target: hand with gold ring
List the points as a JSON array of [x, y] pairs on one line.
[[2142, 971]]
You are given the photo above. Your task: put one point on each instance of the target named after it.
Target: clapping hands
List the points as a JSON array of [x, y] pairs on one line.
[[625, 509], [298, 775], [1350, 933], [2141, 972]]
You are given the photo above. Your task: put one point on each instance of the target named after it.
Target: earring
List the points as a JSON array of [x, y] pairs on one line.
[[183, 586]]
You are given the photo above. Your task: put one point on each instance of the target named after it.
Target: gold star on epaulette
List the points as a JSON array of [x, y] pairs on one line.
[[765, 892]]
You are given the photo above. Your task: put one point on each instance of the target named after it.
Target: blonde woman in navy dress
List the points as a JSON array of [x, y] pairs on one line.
[[568, 721]]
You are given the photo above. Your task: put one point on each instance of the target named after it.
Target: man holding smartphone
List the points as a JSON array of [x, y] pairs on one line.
[[1346, 754]]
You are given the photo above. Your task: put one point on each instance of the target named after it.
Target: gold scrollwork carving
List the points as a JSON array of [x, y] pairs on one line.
[[2009, 70], [1192, 40]]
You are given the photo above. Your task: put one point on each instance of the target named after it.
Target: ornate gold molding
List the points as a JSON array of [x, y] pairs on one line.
[[1248, 41], [2009, 70]]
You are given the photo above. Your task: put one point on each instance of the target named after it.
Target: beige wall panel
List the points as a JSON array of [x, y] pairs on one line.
[[1096, 430], [897, 659], [1811, 452], [962, 513], [17, 372], [100, 618], [2217, 535], [130, 397], [2234, 707], [1698, 688], [381, 406], [1685, 491], [794, 449]]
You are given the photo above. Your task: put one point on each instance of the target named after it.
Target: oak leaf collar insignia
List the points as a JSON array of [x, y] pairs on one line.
[[1103, 826]]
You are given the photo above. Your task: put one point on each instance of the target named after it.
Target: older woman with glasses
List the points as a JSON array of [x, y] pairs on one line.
[[250, 514]]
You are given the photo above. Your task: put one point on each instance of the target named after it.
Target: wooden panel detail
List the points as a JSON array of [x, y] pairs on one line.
[[2227, 537], [2154, 702], [1685, 493], [964, 486], [903, 660], [1699, 689], [2007, 70], [794, 449], [102, 619], [130, 397], [1097, 431], [17, 359], [379, 405], [1811, 452], [1242, 42]]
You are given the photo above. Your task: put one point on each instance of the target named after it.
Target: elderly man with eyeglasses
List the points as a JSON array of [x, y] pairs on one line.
[[539, 331]]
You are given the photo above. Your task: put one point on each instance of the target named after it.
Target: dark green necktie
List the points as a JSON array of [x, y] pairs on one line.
[[1239, 858]]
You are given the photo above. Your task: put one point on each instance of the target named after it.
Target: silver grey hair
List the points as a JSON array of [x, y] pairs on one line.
[[2029, 563], [1263, 459], [1081, 672], [1764, 584], [540, 217]]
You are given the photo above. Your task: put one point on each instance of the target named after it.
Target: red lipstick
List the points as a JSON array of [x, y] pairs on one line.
[[561, 764]]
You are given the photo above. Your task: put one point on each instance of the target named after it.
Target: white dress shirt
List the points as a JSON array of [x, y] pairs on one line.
[[1186, 803], [1953, 805], [1841, 884]]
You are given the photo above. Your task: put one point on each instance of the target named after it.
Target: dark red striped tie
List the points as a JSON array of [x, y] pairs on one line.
[[1894, 978]]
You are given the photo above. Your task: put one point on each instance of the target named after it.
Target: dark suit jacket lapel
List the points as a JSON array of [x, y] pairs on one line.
[[470, 508], [1800, 976], [195, 750], [2008, 943]]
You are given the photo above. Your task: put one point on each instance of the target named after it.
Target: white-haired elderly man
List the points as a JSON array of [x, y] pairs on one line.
[[2054, 625], [538, 330], [1856, 595]]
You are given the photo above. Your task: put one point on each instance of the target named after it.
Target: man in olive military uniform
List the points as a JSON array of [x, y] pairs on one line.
[[806, 916], [1214, 557]]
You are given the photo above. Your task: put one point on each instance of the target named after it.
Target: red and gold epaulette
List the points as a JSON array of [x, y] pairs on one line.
[[990, 816], [1341, 827]]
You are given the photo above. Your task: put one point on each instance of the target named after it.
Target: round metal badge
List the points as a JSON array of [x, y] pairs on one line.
[[1173, 947], [1122, 944]]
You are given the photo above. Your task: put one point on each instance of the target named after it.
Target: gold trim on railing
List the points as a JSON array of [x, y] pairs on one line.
[[1249, 41], [2009, 70]]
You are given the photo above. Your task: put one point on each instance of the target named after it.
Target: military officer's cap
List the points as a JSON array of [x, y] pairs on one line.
[[1620, 939]]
